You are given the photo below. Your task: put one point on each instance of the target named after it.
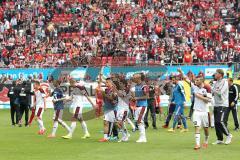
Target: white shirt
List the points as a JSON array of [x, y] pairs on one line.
[[123, 102], [200, 105], [228, 27], [78, 98], [224, 12], [40, 95], [7, 25], [13, 22]]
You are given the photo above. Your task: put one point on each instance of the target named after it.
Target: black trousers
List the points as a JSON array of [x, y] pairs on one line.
[[14, 110], [151, 108], [235, 115], [24, 108], [220, 121]]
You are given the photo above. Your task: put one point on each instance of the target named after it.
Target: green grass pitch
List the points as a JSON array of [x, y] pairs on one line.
[[24, 144]]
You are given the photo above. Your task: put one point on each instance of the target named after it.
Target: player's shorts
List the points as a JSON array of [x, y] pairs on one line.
[[122, 114], [200, 119], [57, 114], [139, 114], [39, 112], [77, 112], [110, 116]]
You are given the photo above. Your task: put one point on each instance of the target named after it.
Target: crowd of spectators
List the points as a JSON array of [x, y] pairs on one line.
[[44, 33]]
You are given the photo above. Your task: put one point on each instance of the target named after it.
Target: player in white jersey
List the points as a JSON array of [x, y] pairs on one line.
[[78, 93], [200, 110], [39, 106]]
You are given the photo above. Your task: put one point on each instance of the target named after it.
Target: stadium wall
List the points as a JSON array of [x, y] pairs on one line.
[[82, 71]]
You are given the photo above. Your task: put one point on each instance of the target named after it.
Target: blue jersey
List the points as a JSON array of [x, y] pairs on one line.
[[178, 95], [109, 105], [58, 94], [140, 91]]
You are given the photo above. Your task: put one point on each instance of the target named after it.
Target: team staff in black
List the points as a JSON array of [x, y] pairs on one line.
[[13, 95], [25, 100], [233, 98], [151, 106]]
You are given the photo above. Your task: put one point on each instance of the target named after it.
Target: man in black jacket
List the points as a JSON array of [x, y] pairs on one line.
[[13, 95], [25, 100], [233, 98], [151, 106]]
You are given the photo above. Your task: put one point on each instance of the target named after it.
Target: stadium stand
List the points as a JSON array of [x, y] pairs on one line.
[[42, 33]]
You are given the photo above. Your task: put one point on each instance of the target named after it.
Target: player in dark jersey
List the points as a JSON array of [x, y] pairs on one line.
[[58, 102]]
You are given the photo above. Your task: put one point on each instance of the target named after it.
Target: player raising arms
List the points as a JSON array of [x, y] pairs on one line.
[[200, 110], [140, 93], [39, 106], [58, 102], [77, 106]]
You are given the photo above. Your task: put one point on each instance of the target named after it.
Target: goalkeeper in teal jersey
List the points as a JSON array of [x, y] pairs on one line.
[[178, 98]]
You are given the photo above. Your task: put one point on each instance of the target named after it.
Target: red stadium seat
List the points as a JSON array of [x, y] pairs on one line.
[[74, 34], [68, 35], [110, 59], [104, 60], [151, 62], [128, 60], [133, 60], [157, 62]]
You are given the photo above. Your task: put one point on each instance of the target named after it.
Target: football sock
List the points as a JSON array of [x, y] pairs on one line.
[[184, 122], [105, 136], [142, 130], [84, 127], [110, 128], [55, 126], [64, 125], [197, 138], [131, 124], [206, 139], [40, 124], [73, 126], [32, 116]]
